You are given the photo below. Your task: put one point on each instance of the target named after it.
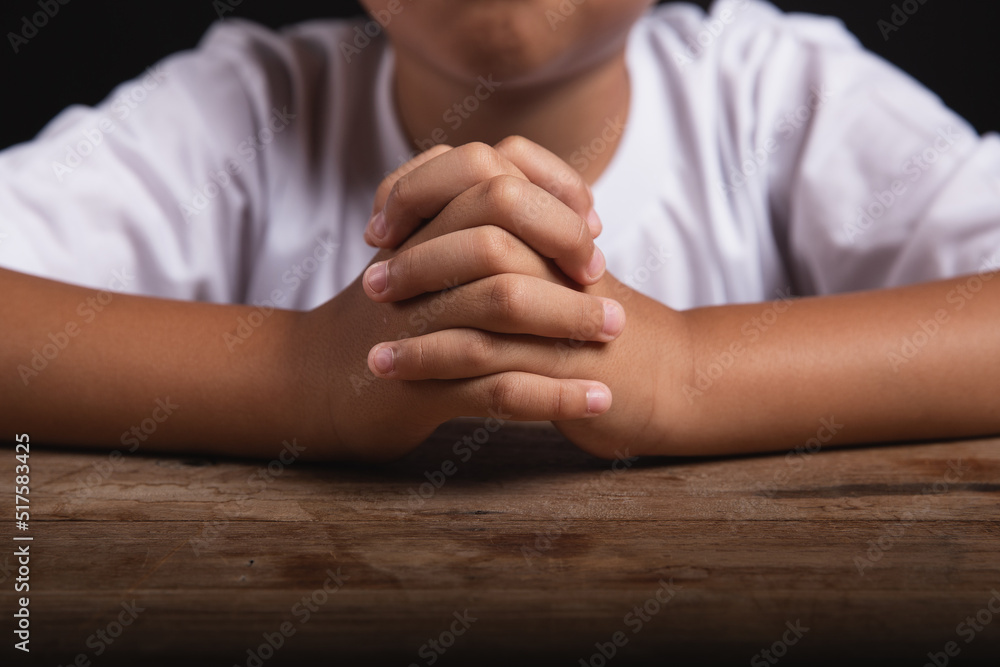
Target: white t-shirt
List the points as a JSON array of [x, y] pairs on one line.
[[762, 151]]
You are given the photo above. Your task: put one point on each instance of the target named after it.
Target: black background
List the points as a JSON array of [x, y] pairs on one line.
[[91, 45]]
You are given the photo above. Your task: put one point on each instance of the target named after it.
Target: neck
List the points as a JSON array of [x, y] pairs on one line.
[[566, 117]]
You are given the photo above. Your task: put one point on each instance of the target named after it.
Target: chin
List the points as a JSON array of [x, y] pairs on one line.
[[512, 44], [516, 41]]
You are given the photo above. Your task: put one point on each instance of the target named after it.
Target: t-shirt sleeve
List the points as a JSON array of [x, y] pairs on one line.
[[161, 188], [872, 181]]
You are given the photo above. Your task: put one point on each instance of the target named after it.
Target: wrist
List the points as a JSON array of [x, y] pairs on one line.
[[651, 371], [283, 402], [684, 410]]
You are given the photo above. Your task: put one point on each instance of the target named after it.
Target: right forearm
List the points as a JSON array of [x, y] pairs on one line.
[[97, 368]]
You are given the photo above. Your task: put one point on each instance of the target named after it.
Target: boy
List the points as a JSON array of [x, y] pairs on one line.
[[733, 158]]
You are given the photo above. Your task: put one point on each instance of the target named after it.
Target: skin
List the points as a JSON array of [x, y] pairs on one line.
[[488, 263], [775, 392], [304, 375], [558, 86]]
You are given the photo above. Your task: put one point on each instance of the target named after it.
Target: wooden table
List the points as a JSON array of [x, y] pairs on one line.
[[528, 548]]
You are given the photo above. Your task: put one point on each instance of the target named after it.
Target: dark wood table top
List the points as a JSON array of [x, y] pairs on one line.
[[518, 550]]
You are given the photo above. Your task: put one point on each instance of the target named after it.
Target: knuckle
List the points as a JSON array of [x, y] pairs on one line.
[[483, 160], [503, 194], [575, 181], [583, 242], [591, 317], [494, 247], [401, 193], [507, 297], [515, 144], [568, 185], [481, 348], [419, 355], [559, 400], [504, 393]]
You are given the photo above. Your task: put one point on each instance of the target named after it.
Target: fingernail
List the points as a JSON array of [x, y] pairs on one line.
[[377, 277], [383, 360], [376, 226], [595, 224], [598, 400], [614, 319], [597, 264]]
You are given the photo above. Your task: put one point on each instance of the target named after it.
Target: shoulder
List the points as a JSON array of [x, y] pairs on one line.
[[345, 46], [731, 23], [738, 36]]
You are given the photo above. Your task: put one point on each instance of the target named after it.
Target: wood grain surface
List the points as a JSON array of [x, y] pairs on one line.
[[529, 552]]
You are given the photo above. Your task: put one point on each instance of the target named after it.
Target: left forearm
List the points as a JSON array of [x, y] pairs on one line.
[[906, 363]]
